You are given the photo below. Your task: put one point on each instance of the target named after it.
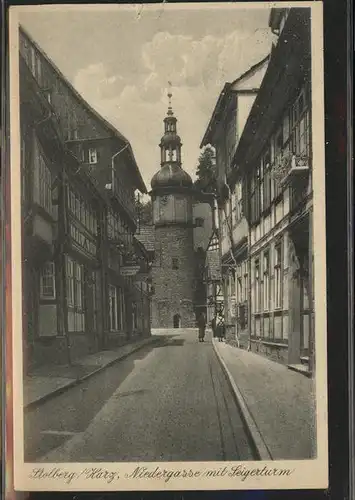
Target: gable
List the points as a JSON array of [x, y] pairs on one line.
[[252, 79]]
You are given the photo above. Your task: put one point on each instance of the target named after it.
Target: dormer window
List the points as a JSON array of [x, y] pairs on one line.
[[92, 156]]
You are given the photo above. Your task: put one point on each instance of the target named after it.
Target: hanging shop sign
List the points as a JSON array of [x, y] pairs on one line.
[[129, 270], [130, 260]]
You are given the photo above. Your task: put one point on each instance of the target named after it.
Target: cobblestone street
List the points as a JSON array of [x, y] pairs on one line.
[[167, 402]]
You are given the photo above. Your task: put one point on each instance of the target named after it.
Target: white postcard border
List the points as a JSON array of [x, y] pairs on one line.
[[305, 474]]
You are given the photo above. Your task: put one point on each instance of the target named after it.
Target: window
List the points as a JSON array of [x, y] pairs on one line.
[[113, 308], [257, 285], [255, 201], [47, 281], [266, 281], [199, 222], [82, 211], [242, 282], [70, 281], [232, 284], [167, 154], [227, 219], [300, 136], [74, 292], [78, 284], [92, 156], [267, 180], [44, 177], [260, 198], [175, 263], [121, 309], [245, 282], [94, 299], [114, 226], [237, 201], [297, 127], [239, 284], [277, 276]]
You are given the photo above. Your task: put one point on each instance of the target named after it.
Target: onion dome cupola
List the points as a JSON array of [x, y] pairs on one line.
[[170, 174]]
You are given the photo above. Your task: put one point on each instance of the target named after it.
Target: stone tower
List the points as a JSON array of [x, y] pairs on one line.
[[174, 267]]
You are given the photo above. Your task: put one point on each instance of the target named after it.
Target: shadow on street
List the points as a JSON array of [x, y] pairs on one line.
[[58, 419]]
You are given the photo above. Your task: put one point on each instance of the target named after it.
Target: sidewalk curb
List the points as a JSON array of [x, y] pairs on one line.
[[56, 392], [252, 429]]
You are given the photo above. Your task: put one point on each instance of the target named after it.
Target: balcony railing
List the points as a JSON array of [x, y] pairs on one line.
[[290, 166]]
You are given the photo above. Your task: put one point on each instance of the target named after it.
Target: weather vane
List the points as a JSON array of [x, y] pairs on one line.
[[170, 94]]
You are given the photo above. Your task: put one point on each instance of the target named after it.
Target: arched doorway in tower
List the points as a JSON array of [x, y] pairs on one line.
[[177, 321]]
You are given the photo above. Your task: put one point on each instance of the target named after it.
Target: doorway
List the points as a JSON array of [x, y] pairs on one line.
[[301, 295], [177, 321]]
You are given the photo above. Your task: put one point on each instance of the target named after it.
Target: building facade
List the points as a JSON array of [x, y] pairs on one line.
[[213, 278], [275, 158], [266, 200], [173, 272], [79, 178], [279, 180], [203, 227], [223, 133]]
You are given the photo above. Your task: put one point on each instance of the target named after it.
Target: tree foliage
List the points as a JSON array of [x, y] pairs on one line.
[[144, 211], [206, 171]]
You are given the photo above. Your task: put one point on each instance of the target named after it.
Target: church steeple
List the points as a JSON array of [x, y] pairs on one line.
[[170, 95], [170, 144]]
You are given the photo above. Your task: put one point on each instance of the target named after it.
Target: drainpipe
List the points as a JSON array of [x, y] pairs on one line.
[[249, 270], [64, 292], [113, 182], [113, 165]]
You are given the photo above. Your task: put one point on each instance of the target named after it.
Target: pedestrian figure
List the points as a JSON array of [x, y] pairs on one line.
[[214, 326], [201, 327], [220, 328]]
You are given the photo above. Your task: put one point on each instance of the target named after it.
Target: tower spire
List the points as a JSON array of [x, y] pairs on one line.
[[170, 143], [170, 95]]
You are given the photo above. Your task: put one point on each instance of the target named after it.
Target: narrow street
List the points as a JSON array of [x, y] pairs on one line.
[[170, 401]]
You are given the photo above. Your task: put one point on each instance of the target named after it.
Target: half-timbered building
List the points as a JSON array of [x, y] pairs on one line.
[[275, 156], [79, 178]]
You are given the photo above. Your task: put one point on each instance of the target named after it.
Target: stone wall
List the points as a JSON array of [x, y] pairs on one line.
[[274, 352], [173, 288]]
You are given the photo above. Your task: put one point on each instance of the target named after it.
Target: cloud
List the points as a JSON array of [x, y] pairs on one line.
[[208, 61], [95, 81], [136, 102], [181, 59]]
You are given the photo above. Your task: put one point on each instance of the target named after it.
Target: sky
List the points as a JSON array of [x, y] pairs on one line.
[[120, 60]]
